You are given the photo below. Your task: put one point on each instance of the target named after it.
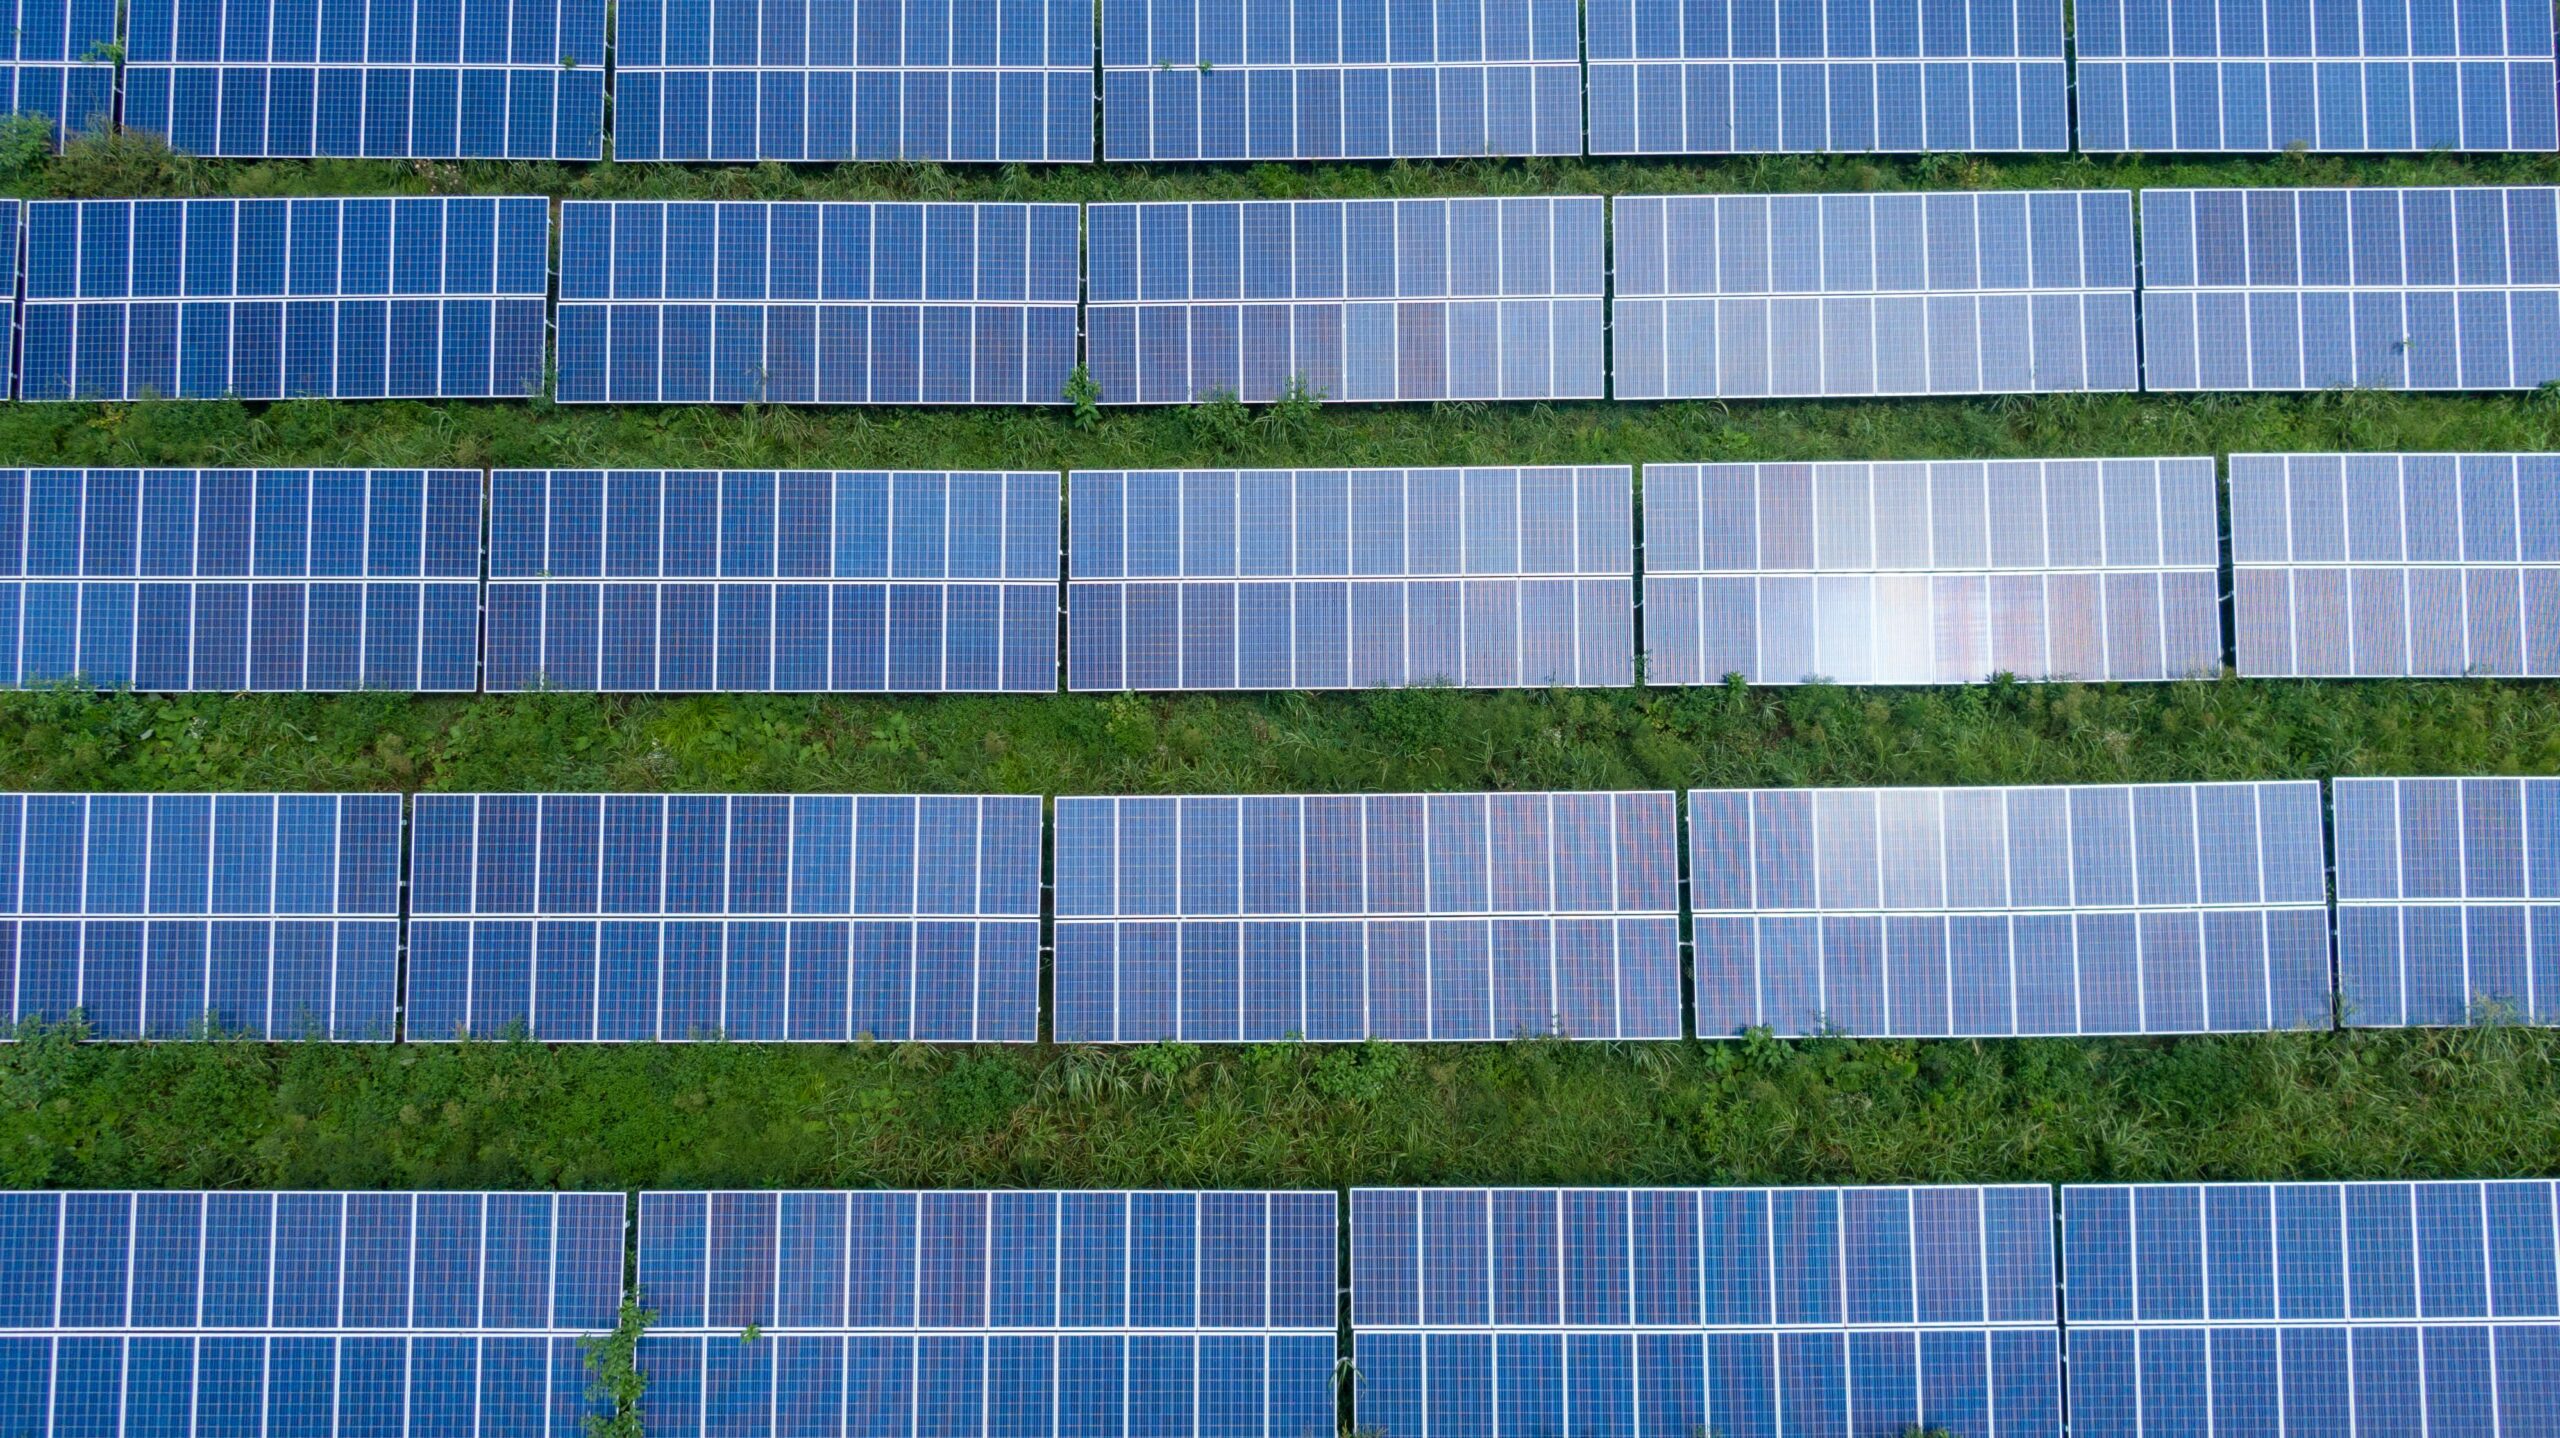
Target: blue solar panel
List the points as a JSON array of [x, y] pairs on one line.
[[270, 299], [1384, 916], [2448, 901], [2396, 564], [991, 80], [736, 581], [1706, 77], [156, 916], [230, 580], [622, 917], [2370, 289], [1510, 1313], [2341, 75], [1364, 578], [989, 1313], [304, 1313], [2143, 909], [735, 303], [2312, 1309], [471, 79], [57, 59], [1361, 300], [1941, 572], [1315, 80]]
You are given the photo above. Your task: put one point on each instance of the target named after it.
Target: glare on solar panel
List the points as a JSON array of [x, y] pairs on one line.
[[2448, 901], [57, 60]]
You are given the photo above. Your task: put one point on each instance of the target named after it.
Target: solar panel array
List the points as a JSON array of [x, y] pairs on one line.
[[742, 302], [2369, 288], [1319, 80], [399, 79], [1362, 300], [1706, 77], [1385, 916], [1017, 1312], [2191, 75], [231, 580], [734, 581], [1330, 579], [638, 917], [956, 80], [2395, 564], [1946, 572], [318, 1313], [2448, 901], [2150, 908], [57, 59], [165, 916], [1517, 1312], [1729, 296], [2311, 1308]]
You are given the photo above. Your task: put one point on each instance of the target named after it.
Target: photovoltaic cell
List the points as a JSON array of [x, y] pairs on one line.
[[738, 581], [633, 917], [2448, 901], [472, 79], [309, 1313], [1784, 296], [2368, 288], [2142, 909], [269, 299], [2387, 75], [167, 916], [1364, 578], [229, 580], [1511, 1313], [58, 60], [956, 80], [750, 302], [1705, 77], [2396, 564], [1316, 80], [1364, 300], [1385, 916], [2311, 1308], [1943, 572], [1028, 1313]]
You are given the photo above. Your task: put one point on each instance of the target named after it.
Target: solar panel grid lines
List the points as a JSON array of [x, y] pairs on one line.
[[1932, 572], [2380, 288], [1380, 301], [1301, 80], [1807, 296], [2448, 899], [56, 60]]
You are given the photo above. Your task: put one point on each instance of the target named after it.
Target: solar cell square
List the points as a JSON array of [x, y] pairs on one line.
[[2448, 895], [171, 916], [657, 917], [1362, 300], [1340, 918], [1790, 296], [58, 60], [2149, 908]]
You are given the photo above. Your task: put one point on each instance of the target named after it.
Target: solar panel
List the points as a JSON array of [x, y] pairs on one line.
[[2387, 75], [226, 580], [270, 299], [634, 917], [1868, 1311], [2448, 901], [2116, 909], [2369, 288], [1941, 572], [967, 1313], [2311, 1308], [306, 1313], [749, 302], [468, 79], [1381, 916], [1364, 578], [1786, 296], [735, 581], [1361, 300], [1315, 80], [167, 916], [1709, 78], [58, 60], [2396, 564]]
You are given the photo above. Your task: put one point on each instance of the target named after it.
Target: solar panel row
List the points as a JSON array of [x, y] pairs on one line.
[[2448, 900], [57, 61]]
